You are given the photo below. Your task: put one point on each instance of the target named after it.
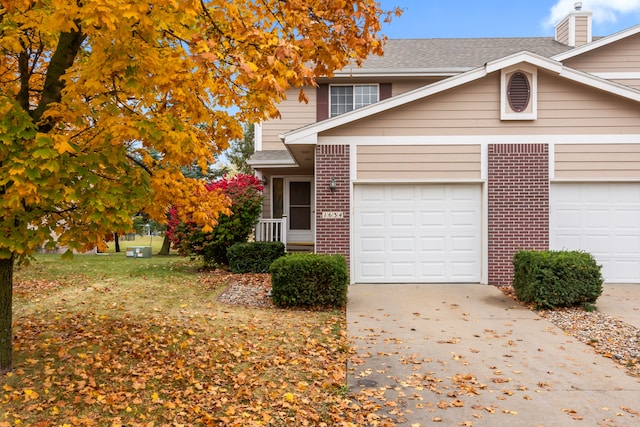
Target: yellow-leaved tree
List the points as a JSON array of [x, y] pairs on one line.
[[102, 102]]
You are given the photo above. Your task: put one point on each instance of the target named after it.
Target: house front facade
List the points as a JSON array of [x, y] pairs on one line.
[[439, 161]]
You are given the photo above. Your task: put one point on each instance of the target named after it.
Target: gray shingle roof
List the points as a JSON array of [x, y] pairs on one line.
[[271, 157], [455, 53]]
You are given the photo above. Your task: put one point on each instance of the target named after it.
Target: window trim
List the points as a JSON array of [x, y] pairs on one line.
[[353, 85], [530, 112]]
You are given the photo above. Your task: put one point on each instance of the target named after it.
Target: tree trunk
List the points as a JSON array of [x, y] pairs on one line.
[[6, 295], [166, 246], [116, 240]]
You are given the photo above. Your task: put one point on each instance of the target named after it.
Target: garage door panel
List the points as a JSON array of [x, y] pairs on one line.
[[597, 219], [566, 241], [602, 219], [626, 219], [432, 244], [431, 194], [567, 194], [463, 271], [402, 219], [466, 245], [626, 195], [431, 233], [567, 219], [403, 244], [432, 272], [372, 245], [402, 194], [467, 192], [626, 270], [372, 219], [371, 271], [626, 245], [597, 243], [464, 219], [432, 219], [599, 195], [403, 270]]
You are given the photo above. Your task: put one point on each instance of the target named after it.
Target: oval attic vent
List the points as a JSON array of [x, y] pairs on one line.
[[518, 92]]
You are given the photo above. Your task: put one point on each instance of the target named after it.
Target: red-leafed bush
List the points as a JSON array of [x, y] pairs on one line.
[[245, 192]]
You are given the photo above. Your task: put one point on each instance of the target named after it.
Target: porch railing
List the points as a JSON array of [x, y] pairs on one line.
[[272, 230]]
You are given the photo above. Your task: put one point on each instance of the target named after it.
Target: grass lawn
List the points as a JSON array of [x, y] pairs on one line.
[[154, 241], [107, 340]]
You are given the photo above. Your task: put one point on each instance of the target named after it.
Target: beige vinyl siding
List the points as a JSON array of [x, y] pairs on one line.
[[402, 86], [622, 56], [294, 115], [418, 162], [572, 108], [474, 109], [454, 112], [597, 161], [633, 83], [582, 30], [562, 32]]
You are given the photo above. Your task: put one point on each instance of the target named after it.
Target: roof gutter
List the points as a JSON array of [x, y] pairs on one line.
[[406, 72]]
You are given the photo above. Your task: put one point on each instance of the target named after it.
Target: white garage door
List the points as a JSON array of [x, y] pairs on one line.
[[602, 219], [417, 233]]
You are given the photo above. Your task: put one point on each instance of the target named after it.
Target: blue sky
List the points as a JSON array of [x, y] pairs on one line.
[[503, 18]]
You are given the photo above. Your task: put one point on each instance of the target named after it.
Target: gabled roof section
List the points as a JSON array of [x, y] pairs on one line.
[[604, 41], [445, 57], [308, 134]]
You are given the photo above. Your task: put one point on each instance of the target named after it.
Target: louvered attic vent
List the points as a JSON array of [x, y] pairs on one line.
[[518, 92]]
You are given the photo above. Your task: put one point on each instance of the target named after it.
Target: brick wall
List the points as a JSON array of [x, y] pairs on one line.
[[332, 234], [518, 205]]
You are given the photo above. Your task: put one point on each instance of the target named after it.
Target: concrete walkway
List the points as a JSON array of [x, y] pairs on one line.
[[621, 301], [467, 355]]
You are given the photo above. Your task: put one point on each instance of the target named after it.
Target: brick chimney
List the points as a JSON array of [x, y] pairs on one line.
[[575, 29]]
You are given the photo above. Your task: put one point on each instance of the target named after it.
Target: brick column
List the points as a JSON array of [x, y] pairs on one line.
[[518, 205], [332, 233]]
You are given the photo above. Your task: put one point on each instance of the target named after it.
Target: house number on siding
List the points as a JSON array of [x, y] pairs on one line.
[[332, 215]]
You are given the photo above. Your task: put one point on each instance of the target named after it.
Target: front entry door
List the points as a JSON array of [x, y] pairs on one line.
[[300, 209]]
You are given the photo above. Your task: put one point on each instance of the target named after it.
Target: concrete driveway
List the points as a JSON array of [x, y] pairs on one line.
[[467, 355]]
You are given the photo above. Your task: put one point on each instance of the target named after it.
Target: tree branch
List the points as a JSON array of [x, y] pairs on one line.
[[25, 75], [139, 163], [68, 47]]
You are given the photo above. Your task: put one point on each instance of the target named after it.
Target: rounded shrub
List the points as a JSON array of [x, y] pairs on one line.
[[552, 279], [309, 280]]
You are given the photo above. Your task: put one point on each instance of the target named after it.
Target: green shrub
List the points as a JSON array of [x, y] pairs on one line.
[[309, 280], [254, 257], [556, 278]]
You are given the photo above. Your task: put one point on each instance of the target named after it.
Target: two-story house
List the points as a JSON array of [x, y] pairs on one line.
[[441, 159]]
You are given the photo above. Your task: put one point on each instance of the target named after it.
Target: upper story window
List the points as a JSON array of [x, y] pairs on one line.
[[345, 98]]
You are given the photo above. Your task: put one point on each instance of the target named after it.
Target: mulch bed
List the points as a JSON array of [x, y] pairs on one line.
[[248, 290]]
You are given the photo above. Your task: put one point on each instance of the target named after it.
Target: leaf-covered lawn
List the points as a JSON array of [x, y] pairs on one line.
[[109, 341]]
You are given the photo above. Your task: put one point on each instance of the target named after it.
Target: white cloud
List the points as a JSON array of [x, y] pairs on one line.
[[603, 10]]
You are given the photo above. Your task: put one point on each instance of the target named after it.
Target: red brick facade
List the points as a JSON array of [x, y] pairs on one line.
[[332, 234], [518, 205]]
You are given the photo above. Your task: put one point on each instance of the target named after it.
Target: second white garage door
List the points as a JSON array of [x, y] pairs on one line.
[[417, 233], [602, 219]]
